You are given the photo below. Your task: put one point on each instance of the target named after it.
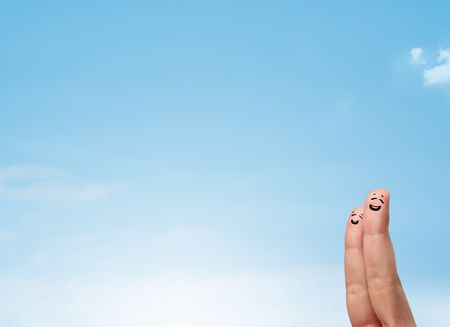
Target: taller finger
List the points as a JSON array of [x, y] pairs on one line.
[[385, 290]]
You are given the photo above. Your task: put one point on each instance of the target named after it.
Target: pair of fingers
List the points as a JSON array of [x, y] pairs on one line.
[[375, 296]]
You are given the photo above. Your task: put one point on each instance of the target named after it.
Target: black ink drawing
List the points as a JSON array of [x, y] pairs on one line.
[[372, 205], [355, 222]]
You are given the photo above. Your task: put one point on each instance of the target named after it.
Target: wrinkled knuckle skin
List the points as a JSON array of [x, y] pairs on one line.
[[355, 288], [371, 324], [378, 284]]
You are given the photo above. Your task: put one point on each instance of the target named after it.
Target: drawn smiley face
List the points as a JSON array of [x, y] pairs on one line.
[[355, 221], [376, 202]]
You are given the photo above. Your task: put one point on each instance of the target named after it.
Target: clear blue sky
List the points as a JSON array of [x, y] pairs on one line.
[[141, 139]]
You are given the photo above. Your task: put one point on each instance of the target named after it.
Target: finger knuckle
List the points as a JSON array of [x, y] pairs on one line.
[[379, 284]]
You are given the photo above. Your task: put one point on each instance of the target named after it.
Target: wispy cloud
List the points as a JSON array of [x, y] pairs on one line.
[[431, 309], [39, 258], [28, 172], [440, 73], [417, 56], [36, 183], [297, 296], [187, 235], [5, 236]]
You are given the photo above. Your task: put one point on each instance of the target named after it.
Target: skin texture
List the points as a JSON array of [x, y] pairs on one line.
[[375, 296]]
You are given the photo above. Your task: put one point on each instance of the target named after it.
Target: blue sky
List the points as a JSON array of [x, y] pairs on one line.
[[155, 150]]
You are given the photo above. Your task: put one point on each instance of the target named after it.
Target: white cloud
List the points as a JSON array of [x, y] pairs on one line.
[[39, 258], [292, 297], [187, 235], [27, 172], [417, 56], [298, 296], [5, 236], [440, 73], [431, 310], [55, 192], [36, 183]]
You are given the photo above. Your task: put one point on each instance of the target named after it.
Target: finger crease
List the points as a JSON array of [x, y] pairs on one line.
[[378, 284], [355, 287]]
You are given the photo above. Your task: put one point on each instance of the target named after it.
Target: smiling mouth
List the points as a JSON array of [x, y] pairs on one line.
[[354, 222], [374, 208]]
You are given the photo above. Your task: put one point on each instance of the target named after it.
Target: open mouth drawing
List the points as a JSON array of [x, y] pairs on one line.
[[374, 208], [355, 222]]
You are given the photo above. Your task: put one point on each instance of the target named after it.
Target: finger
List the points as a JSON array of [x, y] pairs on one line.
[[359, 306], [385, 290]]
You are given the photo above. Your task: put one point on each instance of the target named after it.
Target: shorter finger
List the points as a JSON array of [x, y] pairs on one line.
[[359, 306]]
